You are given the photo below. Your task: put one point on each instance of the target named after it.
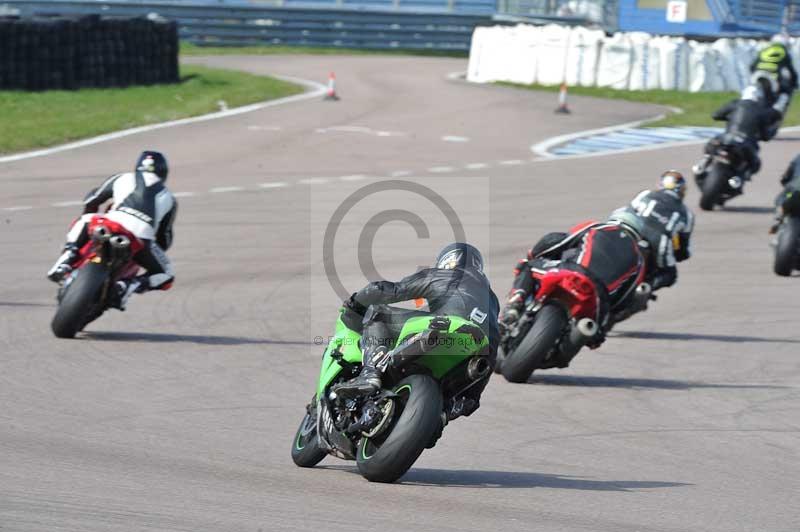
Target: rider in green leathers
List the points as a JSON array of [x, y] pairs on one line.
[[456, 286]]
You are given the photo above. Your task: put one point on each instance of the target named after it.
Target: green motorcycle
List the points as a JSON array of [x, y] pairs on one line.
[[437, 358]]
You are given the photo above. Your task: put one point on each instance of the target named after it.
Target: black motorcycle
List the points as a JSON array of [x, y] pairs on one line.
[[726, 175]]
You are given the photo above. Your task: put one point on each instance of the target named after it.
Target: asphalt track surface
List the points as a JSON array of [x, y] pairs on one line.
[[179, 413]]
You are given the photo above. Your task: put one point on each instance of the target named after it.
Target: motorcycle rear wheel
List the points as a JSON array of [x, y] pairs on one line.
[[786, 252], [713, 186], [76, 308], [417, 420], [531, 352]]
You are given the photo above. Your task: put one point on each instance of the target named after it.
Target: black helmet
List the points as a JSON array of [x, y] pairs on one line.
[[154, 162], [459, 255]]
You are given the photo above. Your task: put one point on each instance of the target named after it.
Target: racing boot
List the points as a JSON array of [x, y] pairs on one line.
[[123, 290], [369, 380], [778, 219], [63, 265], [773, 229]]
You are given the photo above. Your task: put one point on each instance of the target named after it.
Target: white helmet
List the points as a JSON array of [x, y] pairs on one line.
[[753, 93], [781, 38]]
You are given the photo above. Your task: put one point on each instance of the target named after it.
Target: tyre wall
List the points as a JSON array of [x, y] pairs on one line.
[[74, 53]]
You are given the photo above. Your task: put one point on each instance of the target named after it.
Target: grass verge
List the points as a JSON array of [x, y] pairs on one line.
[[38, 119], [697, 106], [192, 49]]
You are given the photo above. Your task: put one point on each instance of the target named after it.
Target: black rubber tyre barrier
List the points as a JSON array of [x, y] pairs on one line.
[[73, 53]]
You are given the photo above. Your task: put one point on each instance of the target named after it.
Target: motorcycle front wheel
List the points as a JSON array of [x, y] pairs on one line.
[[306, 451]]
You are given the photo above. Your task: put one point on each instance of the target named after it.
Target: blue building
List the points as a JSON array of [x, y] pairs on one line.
[[711, 18]]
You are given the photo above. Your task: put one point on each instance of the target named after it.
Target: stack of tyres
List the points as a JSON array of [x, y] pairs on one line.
[[35, 56], [64, 53]]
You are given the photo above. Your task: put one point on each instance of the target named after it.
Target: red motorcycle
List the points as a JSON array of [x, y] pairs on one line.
[[560, 319], [88, 290]]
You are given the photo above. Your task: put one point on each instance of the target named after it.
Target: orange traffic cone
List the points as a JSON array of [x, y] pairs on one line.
[[330, 94], [562, 100]]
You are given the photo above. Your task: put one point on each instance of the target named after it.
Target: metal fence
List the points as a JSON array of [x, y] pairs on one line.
[[598, 12], [429, 6], [758, 16], [768, 15], [217, 24]]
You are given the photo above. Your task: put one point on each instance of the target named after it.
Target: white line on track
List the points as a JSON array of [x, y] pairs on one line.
[[274, 184], [359, 129], [476, 166], [313, 181], [66, 203], [355, 177], [455, 138], [315, 90], [18, 208], [264, 128], [401, 173], [440, 169], [183, 194], [511, 162], [218, 190]]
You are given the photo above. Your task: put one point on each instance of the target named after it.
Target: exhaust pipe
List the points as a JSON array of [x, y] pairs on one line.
[[101, 233], [641, 298], [478, 368], [584, 330], [120, 242], [579, 335]]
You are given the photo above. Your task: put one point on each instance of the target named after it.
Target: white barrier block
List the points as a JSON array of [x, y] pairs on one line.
[[521, 54], [616, 58], [725, 65], [583, 54], [645, 69], [674, 63], [553, 44]]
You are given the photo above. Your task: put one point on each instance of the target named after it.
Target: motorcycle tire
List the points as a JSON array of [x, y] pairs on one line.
[[510, 346], [786, 252], [417, 420], [78, 303], [532, 351], [306, 451], [713, 185]]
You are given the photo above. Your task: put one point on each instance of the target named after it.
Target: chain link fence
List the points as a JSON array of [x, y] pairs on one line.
[[594, 12]]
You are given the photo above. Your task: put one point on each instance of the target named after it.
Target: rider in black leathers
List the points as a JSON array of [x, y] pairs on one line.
[[749, 120], [456, 286], [664, 223], [774, 64], [606, 252]]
